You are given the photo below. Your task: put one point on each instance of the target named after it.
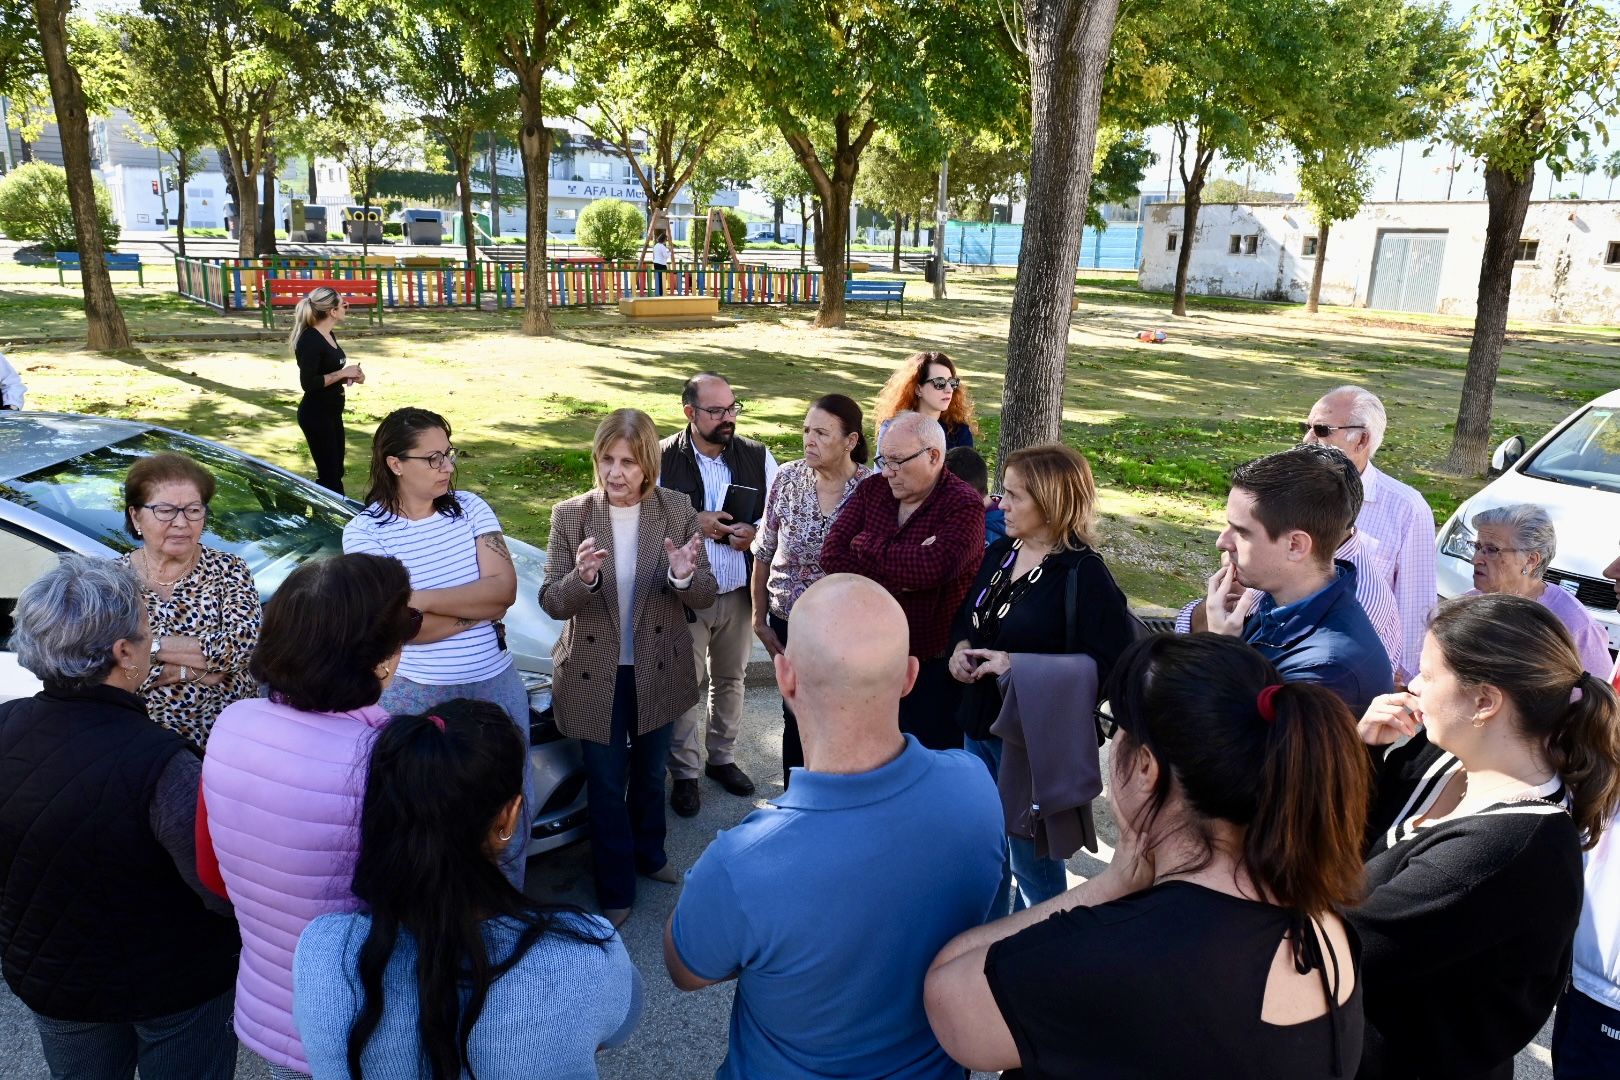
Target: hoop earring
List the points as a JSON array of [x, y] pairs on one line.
[[503, 837], [1479, 723]]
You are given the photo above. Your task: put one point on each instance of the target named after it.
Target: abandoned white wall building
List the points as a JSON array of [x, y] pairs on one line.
[[1407, 256]]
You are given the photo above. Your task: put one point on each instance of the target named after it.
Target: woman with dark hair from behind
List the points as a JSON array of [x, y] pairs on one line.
[[1474, 842], [449, 964], [1239, 802], [284, 775], [804, 499]]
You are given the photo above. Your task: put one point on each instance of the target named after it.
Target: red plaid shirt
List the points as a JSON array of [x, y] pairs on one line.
[[928, 564]]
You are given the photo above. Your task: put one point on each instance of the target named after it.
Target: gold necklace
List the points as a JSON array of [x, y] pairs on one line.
[[146, 560]]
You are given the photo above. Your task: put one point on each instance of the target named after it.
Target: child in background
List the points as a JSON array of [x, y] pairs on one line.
[[966, 463]]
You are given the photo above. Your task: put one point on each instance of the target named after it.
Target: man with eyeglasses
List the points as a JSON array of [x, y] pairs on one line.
[[703, 461], [918, 530], [1392, 513]]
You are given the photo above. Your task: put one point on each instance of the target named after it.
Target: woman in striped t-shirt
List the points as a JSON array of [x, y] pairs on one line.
[[462, 578]]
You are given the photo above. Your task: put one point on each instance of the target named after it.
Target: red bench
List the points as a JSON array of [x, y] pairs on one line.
[[282, 292]]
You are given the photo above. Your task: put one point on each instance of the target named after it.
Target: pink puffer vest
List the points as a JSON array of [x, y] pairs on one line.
[[283, 790]]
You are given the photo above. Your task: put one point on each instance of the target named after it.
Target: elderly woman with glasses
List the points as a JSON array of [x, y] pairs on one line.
[[927, 383], [107, 934], [323, 372], [202, 604], [1513, 547], [463, 579]]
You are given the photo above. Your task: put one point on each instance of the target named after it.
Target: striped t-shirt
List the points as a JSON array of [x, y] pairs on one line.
[[440, 552]]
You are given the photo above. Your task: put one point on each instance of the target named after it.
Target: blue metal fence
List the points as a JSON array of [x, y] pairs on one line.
[[971, 243]]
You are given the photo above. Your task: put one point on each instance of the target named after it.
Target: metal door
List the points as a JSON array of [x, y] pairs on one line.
[[1406, 271]]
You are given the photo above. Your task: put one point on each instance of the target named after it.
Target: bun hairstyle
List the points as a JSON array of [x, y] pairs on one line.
[[317, 304], [1280, 760], [435, 788], [849, 414], [1516, 645]]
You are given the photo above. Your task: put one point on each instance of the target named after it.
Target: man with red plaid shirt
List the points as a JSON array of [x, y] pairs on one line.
[[917, 530]]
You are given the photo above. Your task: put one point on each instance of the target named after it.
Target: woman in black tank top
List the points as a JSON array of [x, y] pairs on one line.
[[1212, 945]]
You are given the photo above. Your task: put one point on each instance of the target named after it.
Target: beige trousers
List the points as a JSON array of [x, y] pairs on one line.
[[722, 640]]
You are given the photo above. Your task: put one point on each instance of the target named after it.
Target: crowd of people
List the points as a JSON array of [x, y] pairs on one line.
[[1360, 833]]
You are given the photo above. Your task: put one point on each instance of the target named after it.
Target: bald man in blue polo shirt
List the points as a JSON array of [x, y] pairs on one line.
[[828, 906]]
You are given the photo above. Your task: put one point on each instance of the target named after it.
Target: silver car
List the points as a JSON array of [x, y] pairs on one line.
[[61, 489]]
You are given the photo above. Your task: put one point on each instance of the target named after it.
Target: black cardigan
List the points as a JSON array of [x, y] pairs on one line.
[[1466, 931]]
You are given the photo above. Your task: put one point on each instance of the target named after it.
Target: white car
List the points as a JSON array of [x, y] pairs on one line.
[[61, 489], [1574, 474]]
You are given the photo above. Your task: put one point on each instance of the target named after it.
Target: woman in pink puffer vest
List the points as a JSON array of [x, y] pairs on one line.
[[283, 778]]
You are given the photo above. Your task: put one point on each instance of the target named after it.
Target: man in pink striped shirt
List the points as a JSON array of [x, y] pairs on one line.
[[1392, 513]]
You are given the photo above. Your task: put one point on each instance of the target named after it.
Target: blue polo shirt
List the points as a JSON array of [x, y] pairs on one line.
[[1326, 639], [830, 905]]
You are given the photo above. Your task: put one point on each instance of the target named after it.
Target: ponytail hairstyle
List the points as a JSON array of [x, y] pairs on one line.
[[396, 436], [436, 786], [1522, 649], [315, 305], [1282, 761], [849, 414]]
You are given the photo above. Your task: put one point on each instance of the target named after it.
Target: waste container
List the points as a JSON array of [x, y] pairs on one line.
[[362, 225], [424, 226], [314, 231], [931, 270]]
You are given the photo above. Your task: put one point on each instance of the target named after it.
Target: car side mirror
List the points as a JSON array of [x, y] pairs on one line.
[[1511, 450]]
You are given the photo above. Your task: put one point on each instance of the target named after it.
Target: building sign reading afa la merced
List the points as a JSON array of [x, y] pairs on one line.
[[583, 189]]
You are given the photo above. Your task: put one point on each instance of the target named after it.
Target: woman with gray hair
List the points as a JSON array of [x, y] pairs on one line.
[[106, 933], [1513, 546]]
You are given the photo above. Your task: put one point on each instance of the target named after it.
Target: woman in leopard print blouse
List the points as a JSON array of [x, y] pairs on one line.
[[202, 603]]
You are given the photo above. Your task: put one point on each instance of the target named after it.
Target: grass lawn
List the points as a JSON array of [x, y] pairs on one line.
[[1162, 424]]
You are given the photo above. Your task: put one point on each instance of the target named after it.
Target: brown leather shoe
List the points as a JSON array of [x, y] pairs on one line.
[[684, 798], [730, 777]]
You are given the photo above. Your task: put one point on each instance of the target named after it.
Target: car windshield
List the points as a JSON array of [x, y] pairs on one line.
[[1586, 452], [274, 523]]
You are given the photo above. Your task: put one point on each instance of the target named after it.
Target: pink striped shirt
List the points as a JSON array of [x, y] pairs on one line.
[[1396, 516]]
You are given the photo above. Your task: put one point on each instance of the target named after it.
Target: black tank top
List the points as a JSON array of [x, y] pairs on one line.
[[1169, 982]]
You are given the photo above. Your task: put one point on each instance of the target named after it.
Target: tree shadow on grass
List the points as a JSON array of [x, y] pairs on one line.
[[267, 400]]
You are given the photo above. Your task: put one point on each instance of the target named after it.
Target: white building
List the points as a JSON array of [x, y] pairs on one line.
[[1406, 256]]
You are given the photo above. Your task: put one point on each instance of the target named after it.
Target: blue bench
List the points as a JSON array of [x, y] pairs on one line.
[[69, 260], [863, 292]]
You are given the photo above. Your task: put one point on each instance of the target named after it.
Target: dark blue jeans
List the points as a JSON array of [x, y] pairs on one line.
[[193, 1044], [792, 748], [1026, 878], [624, 781], [1586, 1039]]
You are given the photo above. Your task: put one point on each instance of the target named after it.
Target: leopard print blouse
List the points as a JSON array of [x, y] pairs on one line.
[[218, 604]]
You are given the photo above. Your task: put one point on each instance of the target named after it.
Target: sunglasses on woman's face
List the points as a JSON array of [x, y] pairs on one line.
[[943, 383]]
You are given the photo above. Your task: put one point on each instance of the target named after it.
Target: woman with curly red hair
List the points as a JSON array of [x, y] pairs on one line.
[[927, 383]]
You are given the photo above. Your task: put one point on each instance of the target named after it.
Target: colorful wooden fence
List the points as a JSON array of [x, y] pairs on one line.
[[238, 284]]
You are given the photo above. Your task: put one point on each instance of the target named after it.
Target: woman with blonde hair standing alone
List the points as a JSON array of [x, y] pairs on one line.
[[323, 372]]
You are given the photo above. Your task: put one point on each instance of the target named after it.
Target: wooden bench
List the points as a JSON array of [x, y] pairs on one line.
[[286, 292], [870, 292], [69, 260], [670, 309]]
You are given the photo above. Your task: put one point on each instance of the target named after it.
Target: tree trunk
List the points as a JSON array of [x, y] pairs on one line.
[[1068, 50], [104, 322], [916, 230], [469, 226], [804, 229], [494, 190], [832, 247], [182, 174], [1508, 199], [28, 150], [313, 190], [1316, 271], [776, 227], [534, 143], [899, 225], [266, 241], [1192, 201]]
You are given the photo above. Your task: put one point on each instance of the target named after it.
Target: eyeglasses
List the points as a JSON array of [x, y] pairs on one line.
[[435, 460], [885, 464], [1490, 551], [166, 512], [1107, 726], [721, 412], [1324, 430], [942, 383]]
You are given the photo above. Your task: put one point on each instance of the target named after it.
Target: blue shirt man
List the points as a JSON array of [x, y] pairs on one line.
[[828, 906], [1285, 516]]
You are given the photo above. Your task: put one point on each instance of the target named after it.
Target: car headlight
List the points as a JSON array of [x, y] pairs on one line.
[[1459, 541]]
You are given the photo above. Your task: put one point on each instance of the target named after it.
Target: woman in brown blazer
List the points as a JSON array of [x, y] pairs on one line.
[[625, 564]]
